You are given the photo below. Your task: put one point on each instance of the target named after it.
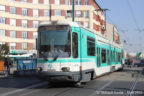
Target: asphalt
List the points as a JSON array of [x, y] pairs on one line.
[[118, 83]]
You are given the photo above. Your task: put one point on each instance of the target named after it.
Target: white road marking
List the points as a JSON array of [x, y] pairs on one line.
[[97, 91], [22, 89], [134, 84], [26, 94]]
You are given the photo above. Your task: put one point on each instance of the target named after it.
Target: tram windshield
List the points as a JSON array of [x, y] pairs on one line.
[[55, 41]]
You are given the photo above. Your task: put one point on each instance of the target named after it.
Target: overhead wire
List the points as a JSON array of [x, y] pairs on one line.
[[136, 24], [123, 31]]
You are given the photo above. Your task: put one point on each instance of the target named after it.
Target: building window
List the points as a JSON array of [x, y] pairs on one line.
[[57, 12], [12, 0], [79, 23], [35, 13], [2, 20], [12, 46], [2, 43], [12, 34], [35, 1], [35, 35], [78, 14], [86, 24], [68, 13], [86, 14], [24, 46], [35, 24], [24, 23], [2, 32], [86, 2], [2, 8], [103, 54], [24, 12], [57, 2], [78, 2], [12, 10], [46, 2], [90, 46], [46, 13], [68, 2], [24, 35], [23, 0], [13, 22]]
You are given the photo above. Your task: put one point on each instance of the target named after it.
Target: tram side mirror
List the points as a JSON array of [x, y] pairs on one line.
[[46, 59], [55, 58]]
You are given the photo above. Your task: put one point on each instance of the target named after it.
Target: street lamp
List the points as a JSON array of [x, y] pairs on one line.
[[73, 10]]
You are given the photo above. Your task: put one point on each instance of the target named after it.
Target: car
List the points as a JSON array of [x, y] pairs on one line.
[[140, 64]]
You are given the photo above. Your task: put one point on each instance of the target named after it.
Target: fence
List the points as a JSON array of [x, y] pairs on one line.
[[26, 67]]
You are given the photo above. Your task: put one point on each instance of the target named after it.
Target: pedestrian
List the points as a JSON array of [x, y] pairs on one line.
[[132, 63], [8, 64], [128, 62]]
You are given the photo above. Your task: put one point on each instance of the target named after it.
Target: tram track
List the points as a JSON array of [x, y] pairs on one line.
[[116, 81]]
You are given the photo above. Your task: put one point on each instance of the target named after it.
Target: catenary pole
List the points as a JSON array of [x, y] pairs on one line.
[[73, 10]]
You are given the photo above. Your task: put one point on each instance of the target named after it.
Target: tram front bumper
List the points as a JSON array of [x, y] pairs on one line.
[[59, 76]]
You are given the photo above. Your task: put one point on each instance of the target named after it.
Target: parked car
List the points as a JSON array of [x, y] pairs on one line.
[[140, 64]]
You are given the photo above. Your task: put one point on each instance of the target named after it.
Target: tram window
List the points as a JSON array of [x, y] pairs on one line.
[[111, 57], [98, 57], [108, 57], [75, 45], [119, 57], [116, 57], [103, 53], [90, 46]]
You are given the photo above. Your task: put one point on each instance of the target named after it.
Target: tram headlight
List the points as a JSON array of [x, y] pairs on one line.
[[65, 69], [39, 69]]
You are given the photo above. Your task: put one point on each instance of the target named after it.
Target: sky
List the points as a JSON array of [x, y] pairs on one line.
[[128, 17]]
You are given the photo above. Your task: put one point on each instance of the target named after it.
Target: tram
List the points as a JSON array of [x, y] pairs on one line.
[[68, 52]]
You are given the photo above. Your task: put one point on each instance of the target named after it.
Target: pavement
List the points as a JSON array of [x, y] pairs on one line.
[[118, 83]]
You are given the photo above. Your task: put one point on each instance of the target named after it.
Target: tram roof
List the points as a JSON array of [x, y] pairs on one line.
[[70, 23]]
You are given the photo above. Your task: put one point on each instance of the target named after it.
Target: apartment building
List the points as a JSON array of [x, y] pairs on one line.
[[19, 19], [111, 33]]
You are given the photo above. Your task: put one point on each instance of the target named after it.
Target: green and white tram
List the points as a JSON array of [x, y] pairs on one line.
[[70, 53]]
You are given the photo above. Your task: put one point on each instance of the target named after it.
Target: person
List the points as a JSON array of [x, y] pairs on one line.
[[128, 62], [132, 63], [8, 64]]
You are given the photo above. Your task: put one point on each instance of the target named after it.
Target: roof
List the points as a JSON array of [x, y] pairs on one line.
[[97, 4]]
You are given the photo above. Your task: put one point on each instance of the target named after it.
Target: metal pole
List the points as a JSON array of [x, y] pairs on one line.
[[50, 13], [73, 10]]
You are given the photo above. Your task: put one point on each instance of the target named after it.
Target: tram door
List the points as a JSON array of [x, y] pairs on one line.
[[77, 51], [75, 44]]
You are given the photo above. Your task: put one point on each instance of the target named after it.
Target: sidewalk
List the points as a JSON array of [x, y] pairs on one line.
[[5, 73]]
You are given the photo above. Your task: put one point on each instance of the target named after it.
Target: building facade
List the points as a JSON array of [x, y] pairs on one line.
[[19, 19], [111, 33]]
